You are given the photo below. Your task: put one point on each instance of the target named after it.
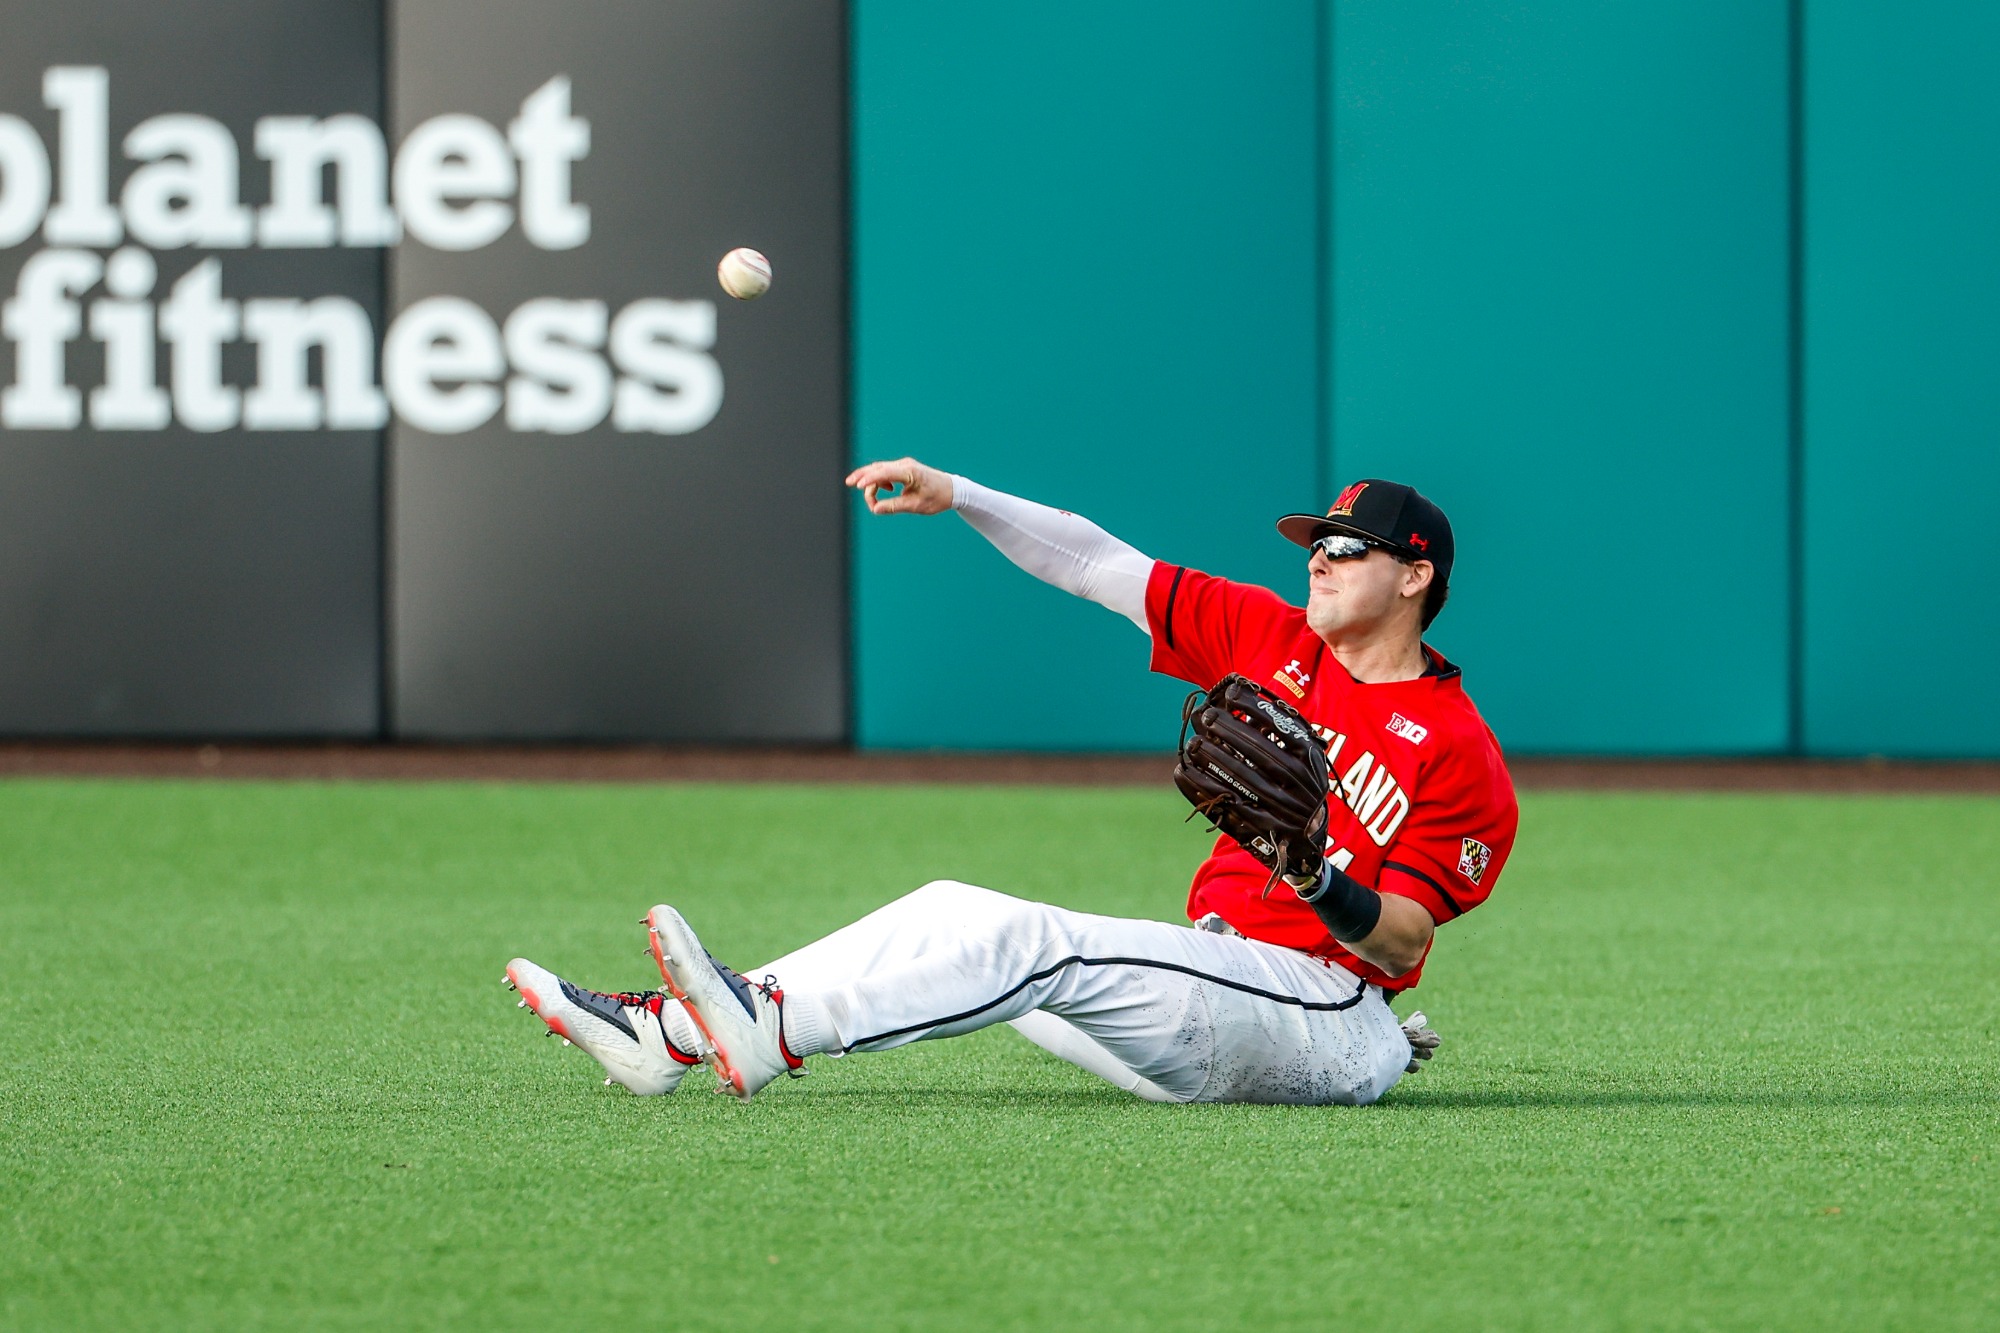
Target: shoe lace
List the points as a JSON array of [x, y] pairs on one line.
[[634, 999], [768, 988]]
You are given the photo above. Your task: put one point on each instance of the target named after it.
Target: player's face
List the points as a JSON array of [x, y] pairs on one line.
[[1357, 594]]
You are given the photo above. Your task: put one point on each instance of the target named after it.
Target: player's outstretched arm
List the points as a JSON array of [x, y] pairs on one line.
[[1054, 545]]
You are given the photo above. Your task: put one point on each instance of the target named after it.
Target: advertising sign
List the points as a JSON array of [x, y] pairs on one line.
[[190, 447], [614, 492], [344, 404]]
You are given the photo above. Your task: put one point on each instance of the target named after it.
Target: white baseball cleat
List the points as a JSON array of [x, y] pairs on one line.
[[644, 1039], [741, 1022]]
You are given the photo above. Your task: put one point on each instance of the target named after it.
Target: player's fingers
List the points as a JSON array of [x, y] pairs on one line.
[[871, 475], [881, 470], [903, 486]]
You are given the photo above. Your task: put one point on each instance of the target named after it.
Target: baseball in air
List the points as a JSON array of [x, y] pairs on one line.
[[744, 274]]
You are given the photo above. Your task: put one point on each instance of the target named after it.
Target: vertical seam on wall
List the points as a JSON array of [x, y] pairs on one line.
[[1322, 140], [1795, 451], [850, 722], [385, 658]]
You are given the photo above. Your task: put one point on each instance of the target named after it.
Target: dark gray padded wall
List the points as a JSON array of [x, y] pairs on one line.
[[167, 582], [621, 584]]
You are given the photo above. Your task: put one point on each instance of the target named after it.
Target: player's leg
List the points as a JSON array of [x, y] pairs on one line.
[[914, 924], [645, 1040], [742, 1034], [906, 929], [1198, 1015], [1062, 1039], [1348, 1055]]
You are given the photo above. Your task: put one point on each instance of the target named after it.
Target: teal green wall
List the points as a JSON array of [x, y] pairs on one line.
[[1560, 237], [1179, 267], [1084, 255], [1902, 376]]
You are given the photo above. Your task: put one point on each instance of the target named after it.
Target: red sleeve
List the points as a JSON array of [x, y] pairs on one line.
[[1450, 851], [1203, 626]]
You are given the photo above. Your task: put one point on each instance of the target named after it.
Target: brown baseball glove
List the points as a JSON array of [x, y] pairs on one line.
[[1251, 764]]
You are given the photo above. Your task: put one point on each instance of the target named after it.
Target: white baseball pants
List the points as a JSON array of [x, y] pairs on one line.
[[1167, 1012]]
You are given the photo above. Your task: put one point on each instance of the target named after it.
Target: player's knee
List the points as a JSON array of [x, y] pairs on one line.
[[958, 900], [1000, 915], [943, 891]]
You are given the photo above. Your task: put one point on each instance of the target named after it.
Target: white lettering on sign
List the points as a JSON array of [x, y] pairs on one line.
[[24, 181], [559, 366], [81, 99], [564, 386], [284, 332], [196, 322], [186, 194], [549, 139], [42, 319], [299, 149], [440, 341], [671, 384], [130, 397]]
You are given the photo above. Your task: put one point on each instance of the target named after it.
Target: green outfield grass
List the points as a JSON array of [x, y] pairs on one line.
[[1709, 1062]]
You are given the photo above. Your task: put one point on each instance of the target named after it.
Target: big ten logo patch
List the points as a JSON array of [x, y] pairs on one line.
[[1408, 730], [457, 183]]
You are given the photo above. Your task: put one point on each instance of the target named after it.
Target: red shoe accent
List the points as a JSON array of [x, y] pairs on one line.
[[653, 1007], [791, 1061]]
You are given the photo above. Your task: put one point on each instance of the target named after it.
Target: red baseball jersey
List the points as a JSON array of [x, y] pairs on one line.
[[1422, 805]]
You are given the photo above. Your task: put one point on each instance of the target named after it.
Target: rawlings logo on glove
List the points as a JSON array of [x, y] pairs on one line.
[[1251, 764]]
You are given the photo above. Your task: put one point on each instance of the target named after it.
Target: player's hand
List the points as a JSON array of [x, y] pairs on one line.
[[1423, 1040], [902, 487]]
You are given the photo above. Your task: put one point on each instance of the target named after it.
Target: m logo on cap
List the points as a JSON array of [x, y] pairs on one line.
[[1343, 504]]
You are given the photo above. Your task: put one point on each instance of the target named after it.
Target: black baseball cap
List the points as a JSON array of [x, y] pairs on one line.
[[1389, 512]]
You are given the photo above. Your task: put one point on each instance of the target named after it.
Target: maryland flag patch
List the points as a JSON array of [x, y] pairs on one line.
[[1472, 858]]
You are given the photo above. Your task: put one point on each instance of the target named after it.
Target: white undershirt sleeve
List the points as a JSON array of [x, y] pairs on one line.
[[1059, 547]]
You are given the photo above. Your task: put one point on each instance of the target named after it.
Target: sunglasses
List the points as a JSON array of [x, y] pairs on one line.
[[1340, 546]]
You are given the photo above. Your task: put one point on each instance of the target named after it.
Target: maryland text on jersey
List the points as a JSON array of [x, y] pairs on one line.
[[1368, 788]]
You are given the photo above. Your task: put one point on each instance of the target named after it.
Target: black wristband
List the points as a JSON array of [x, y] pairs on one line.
[[1349, 908]]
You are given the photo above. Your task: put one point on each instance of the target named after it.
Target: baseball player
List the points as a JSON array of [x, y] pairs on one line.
[[1280, 991]]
